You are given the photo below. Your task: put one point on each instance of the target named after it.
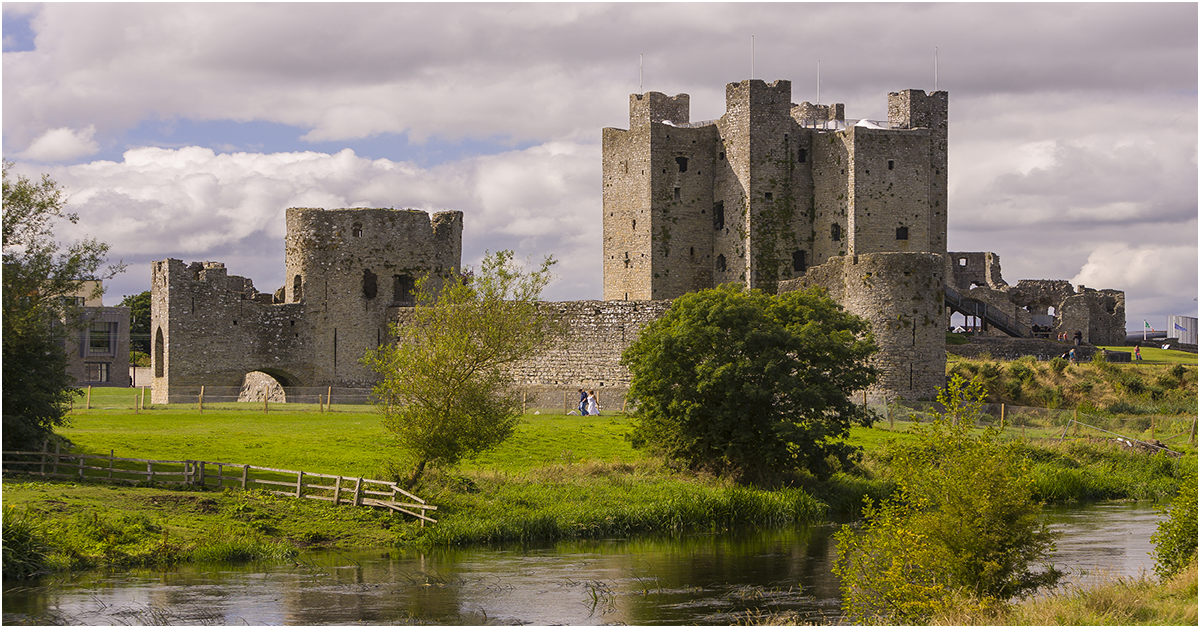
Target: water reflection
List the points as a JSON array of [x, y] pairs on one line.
[[703, 579]]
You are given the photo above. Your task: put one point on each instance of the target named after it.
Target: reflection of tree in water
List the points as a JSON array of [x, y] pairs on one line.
[[337, 588]]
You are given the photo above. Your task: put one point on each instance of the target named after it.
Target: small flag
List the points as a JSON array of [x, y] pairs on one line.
[[1147, 323], [1180, 327]]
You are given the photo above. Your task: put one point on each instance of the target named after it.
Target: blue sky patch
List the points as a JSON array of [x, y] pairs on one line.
[[18, 36], [228, 136]]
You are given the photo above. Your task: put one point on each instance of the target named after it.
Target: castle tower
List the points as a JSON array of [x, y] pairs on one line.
[[767, 191], [349, 267]]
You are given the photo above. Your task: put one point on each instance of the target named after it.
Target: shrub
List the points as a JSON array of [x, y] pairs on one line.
[[1175, 539], [25, 547], [1058, 365], [963, 523]]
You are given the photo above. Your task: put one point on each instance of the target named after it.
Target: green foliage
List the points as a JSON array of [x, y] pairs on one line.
[[39, 309], [139, 321], [1175, 539], [962, 400], [139, 358], [25, 545], [447, 393], [751, 385], [962, 523]]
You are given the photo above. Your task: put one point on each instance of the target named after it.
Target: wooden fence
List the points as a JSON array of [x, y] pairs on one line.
[[219, 475]]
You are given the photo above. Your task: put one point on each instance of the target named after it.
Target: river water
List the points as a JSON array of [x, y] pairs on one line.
[[702, 579]]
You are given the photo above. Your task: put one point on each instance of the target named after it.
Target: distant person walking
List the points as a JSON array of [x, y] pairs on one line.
[[1078, 337], [1137, 352], [593, 406], [1071, 355], [583, 403]]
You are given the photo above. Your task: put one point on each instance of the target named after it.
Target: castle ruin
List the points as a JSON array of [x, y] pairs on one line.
[[772, 195]]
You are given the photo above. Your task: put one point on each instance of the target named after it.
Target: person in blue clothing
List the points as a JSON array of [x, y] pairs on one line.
[[583, 402]]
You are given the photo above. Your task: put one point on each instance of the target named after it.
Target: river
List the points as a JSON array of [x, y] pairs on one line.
[[697, 579]]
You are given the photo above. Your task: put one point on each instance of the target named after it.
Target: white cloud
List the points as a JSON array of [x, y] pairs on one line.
[[62, 144], [197, 204]]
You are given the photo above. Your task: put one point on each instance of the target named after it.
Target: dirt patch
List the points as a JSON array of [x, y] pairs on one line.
[[205, 505]]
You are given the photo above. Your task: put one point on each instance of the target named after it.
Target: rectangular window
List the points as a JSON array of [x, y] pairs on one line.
[[901, 233], [891, 164], [799, 263], [102, 339], [802, 156], [768, 196], [719, 215], [676, 193], [95, 372]]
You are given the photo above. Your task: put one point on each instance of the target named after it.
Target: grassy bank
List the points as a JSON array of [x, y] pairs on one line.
[[558, 477], [1122, 601]]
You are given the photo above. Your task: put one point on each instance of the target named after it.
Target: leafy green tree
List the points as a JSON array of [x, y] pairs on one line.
[[1175, 539], [749, 384], [446, 392], [962, 524], [40, 282], [139, 321]]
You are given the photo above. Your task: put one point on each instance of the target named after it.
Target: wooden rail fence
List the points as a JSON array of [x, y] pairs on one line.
[[338, 489]]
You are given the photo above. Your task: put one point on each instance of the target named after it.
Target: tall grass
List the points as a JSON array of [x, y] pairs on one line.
[[562, 503]]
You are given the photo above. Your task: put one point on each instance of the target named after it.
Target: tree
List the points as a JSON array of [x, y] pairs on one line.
[[1175, 539], [139, 321], [749, 384], [40, 282], [962, 525], [446, 392]]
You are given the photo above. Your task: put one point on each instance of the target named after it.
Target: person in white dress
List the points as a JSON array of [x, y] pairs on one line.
[[593, 406]]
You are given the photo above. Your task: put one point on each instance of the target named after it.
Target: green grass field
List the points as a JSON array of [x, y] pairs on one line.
[[1156, 355]]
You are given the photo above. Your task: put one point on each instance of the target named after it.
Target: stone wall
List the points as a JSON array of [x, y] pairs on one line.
[[901, 295]]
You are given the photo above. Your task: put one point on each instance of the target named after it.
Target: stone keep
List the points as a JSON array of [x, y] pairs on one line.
[[349, 273], [766, 191]]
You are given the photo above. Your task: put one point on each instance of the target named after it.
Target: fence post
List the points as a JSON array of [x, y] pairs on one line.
[[135, 403], [201, 400], [524, 401], [299, 483], [1002, 417], [337, 491], [149, 471], [321, 401], [110, 463], [81, 466], [202, 474], [245, 475], [45, 449], [358, 491], [566, 403], [329, 399], [89, 399], [891, 417], [266, 399]]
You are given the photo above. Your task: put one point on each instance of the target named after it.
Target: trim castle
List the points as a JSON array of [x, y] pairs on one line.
[[774, 195]]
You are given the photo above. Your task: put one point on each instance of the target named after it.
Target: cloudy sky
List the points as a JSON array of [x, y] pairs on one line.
[[186, 130]]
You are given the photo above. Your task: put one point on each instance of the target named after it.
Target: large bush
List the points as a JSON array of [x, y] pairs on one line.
[[750, 385]]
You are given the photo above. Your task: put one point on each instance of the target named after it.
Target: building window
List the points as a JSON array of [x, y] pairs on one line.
[[370, 284], [404, 289], [102, 338], [962, 261], [721, 263], [356, 230], [799, 263], [682, 161], [719, 215], [835, 231], [802, 156], [676, 193], [635, 224], [901, 233], [297, 291], [721, 156], [891, 164], [768, 197], [95, 372]]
